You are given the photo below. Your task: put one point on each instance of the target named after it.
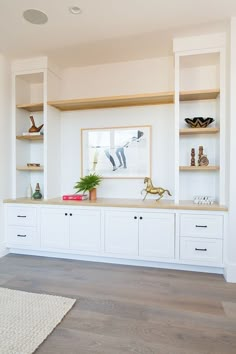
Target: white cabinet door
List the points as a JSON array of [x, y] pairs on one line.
[[156, 235], [85, 230], [121, 232], [54, 228]]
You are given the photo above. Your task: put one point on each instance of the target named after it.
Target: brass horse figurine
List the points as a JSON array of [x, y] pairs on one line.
[[153, 190]]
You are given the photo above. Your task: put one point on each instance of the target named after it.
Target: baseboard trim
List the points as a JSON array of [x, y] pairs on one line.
[[3, 250], [110, 260], [230, 272]]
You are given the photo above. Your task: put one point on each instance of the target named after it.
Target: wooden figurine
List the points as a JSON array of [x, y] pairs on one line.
[[202, 159], [34, 129], [192, 157], [200, 153]]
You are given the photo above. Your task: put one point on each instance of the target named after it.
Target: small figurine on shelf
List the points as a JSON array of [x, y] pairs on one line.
[[192, 157], [200, 153], [202, 159], [34, 129], [37, 194]]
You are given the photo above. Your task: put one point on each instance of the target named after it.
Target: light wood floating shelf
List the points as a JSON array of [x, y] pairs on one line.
[[29, 137], [199, 95], [31, 107], [32, 168], [114, 101], [131, 100], [189, 131], [122, 101], [199, 168]]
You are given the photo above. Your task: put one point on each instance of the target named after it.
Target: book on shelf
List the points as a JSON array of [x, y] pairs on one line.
[[35, 133], [75, 196]]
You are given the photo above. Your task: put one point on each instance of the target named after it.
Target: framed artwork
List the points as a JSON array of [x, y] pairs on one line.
[[116, 152]]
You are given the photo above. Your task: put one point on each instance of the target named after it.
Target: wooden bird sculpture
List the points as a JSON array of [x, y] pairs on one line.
[[34, 129]]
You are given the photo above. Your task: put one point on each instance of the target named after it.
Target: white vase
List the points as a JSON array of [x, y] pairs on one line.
[[29, 191]]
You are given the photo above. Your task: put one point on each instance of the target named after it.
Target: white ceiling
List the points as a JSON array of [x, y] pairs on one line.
[[106, 30]]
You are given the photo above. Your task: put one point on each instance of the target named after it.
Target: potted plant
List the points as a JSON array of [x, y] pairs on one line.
[[89, 183]]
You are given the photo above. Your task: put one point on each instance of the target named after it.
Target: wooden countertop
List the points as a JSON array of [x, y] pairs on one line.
[[123, 203]]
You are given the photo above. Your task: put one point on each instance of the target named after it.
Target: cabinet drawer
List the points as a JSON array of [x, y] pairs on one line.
[[201, 225], [21, 216], [207, 250], [21, 236]]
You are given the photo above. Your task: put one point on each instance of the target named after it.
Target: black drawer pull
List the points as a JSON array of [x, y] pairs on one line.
[[65, 214], [21, 235], [21, 216], [201, 249], [135, 217], [141, 218], [70, 214], [204, 226]]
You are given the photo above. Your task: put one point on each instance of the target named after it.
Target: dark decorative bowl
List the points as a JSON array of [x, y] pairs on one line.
[[199, 122]]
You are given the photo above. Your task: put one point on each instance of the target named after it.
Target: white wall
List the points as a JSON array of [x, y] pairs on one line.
[[140, 76], [161, 118], [5, 137], [143, 76], [231, 239]]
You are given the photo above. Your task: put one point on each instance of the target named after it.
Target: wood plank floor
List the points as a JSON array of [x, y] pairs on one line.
[[123, 309]]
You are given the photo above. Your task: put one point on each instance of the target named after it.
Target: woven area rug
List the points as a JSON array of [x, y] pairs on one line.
[[27, 319]]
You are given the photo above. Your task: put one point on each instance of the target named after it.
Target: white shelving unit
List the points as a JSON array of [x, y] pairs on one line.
[[199, 91], [29, 99], [200, 69], [33, 84]]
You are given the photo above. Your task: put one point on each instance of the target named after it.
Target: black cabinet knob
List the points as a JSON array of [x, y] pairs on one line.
[[65, 214], [141, 218], [70, 214], [135, 217]]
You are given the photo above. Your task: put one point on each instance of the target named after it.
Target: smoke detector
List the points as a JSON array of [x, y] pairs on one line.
[[75, 10]]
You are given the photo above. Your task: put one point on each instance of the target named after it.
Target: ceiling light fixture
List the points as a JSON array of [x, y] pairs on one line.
[[75, 10], [35, 17]]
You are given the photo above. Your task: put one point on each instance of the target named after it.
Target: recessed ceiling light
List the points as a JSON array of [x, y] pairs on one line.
[[75, 10], [35, 16]]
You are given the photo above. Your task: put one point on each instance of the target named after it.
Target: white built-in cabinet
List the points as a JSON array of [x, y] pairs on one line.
[[192, 237], [70, 228], [22, 227], [199, 91], [176, 237], [144, 234]]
